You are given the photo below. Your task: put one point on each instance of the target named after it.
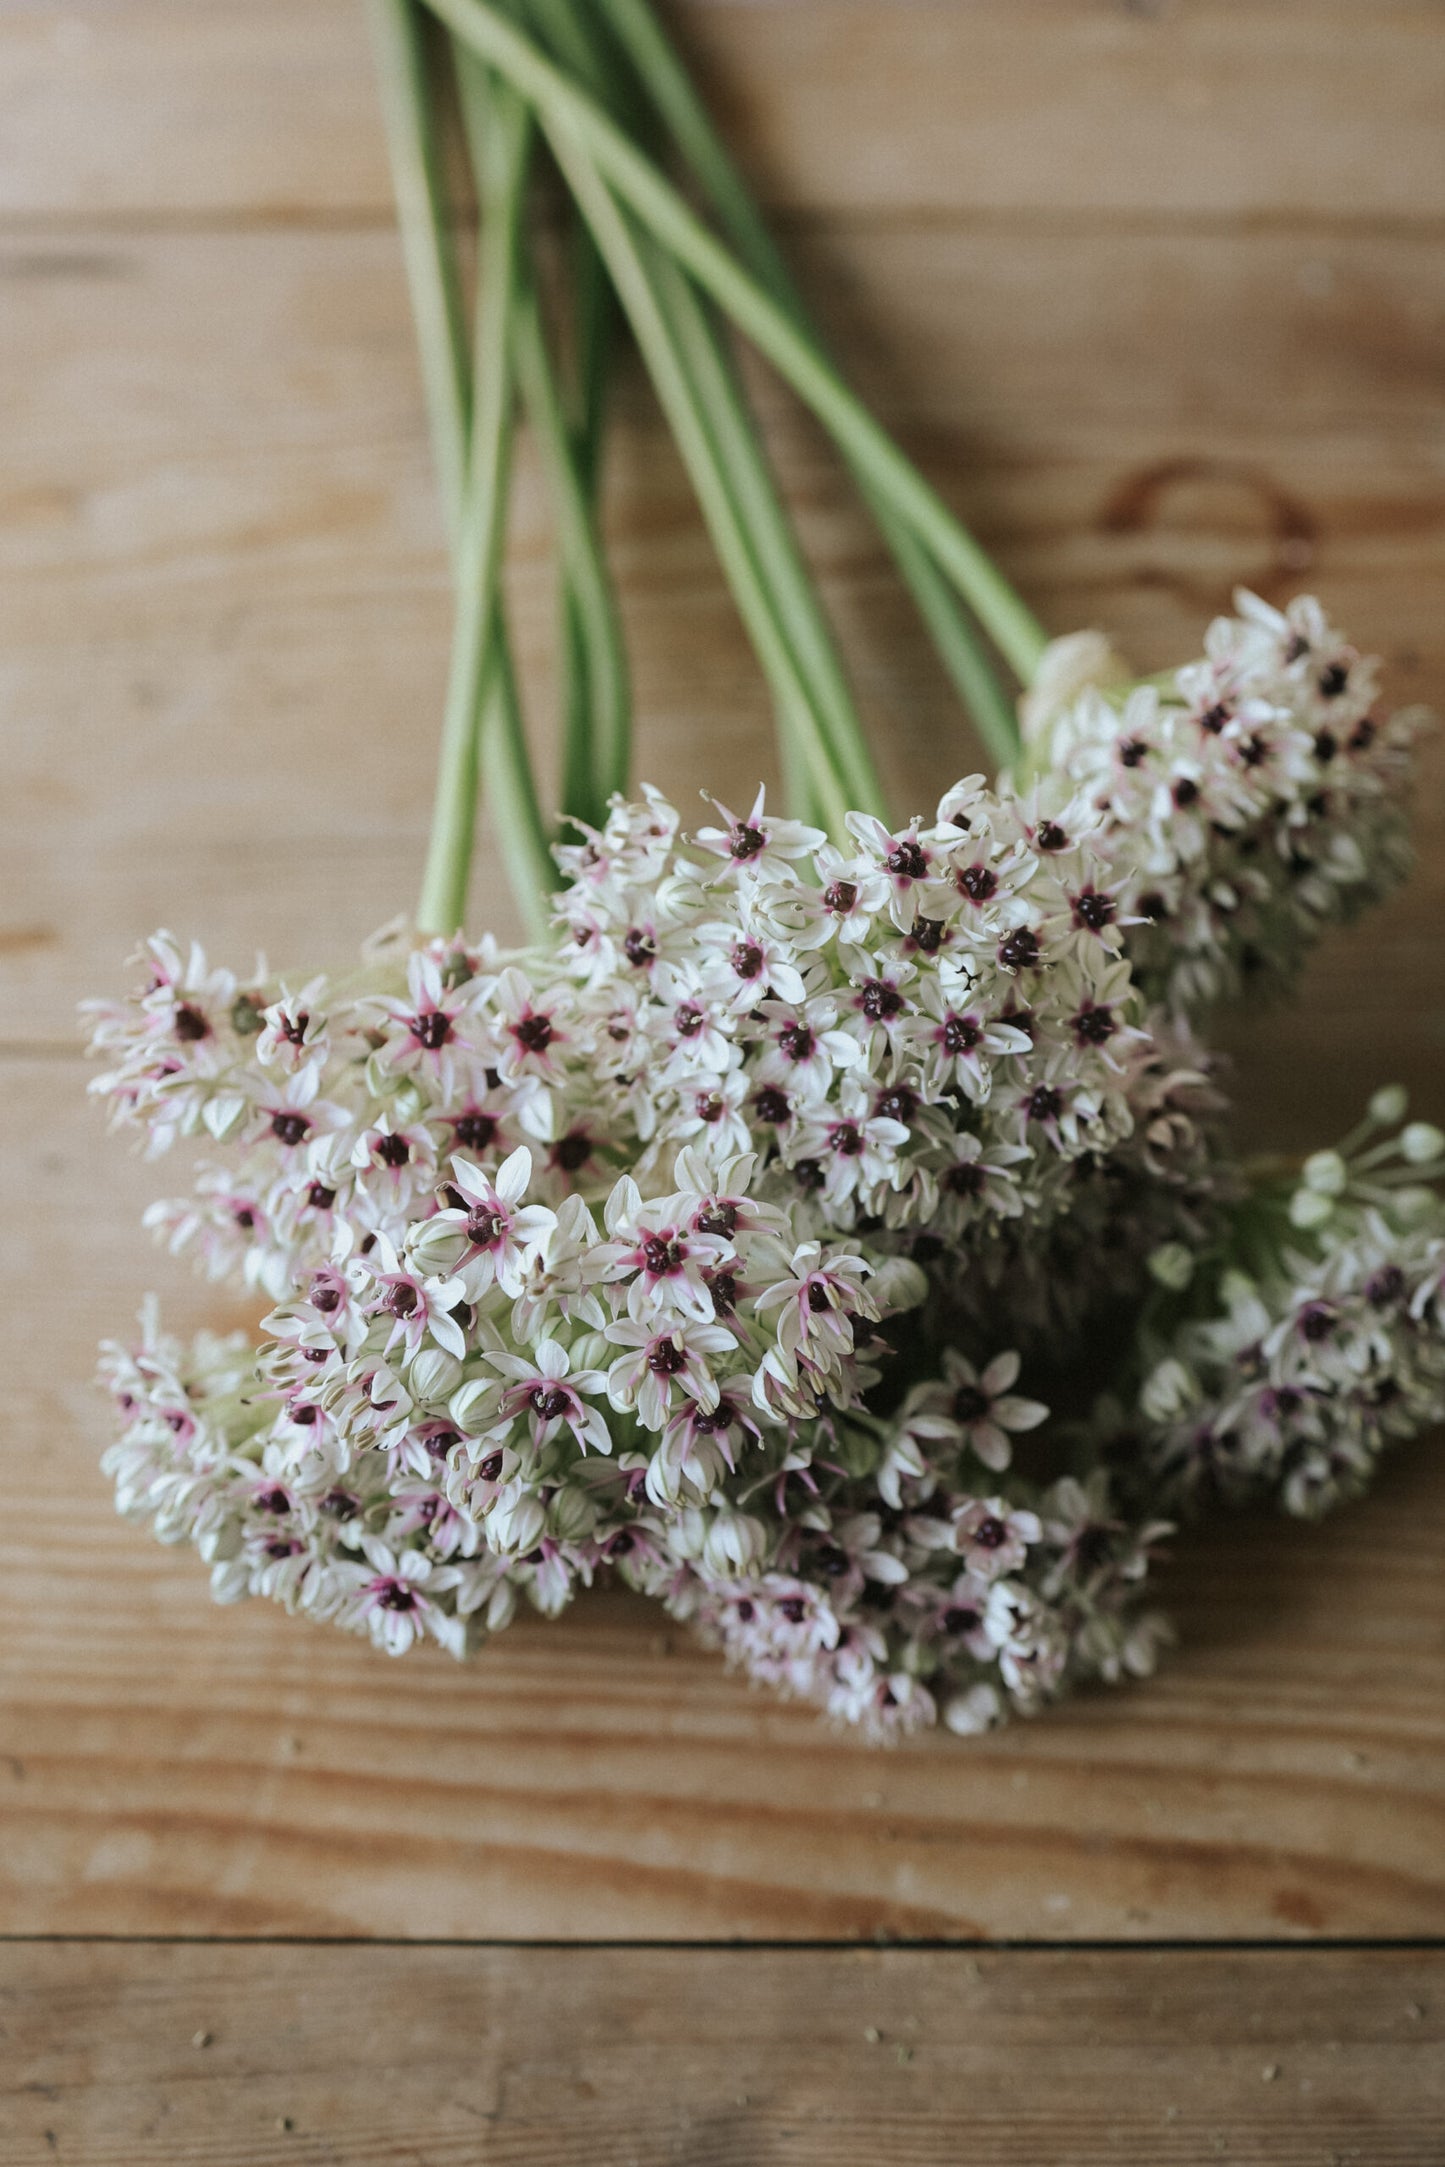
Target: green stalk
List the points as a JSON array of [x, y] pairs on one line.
[[571, 115], [671, 90], [479, 666], [422, 215], [637, 269], [595, 757], [723, 405], [774, 545], [637, 31]]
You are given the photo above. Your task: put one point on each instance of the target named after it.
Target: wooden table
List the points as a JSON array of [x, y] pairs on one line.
[[1155, 292]]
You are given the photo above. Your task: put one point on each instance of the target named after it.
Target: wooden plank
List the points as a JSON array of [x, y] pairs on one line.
[[168, 1767], [719, 2058], [223, 614], [1218, 109]]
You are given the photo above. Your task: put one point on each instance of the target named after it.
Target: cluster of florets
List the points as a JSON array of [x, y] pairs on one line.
[[589, 1258], [1315, 1342], [685, 1248], [1246, 801]]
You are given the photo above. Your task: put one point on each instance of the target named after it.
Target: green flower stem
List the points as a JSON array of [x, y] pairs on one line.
[[641, 273], [573, 117], [775, 547], [725, 415], [480, 692], [398, 28], [961, 652], [595, 757]]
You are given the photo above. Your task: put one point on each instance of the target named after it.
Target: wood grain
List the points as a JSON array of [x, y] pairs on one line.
[[1306, 108], [1154, 294], [166, 1766], [719, 2058]]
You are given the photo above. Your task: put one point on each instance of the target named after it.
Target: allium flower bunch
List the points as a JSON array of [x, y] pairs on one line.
[[1248, 800], [707, 1244], [595, 1256]]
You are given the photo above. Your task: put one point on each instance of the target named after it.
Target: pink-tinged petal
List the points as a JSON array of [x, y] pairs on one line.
[[1000, 1374], [1020, 1414]]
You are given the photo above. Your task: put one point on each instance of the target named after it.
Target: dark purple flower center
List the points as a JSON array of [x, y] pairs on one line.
[[660, 1256], [273, 1501], [396, 1595], [990, 1534], [393, 1151], [747, 959], [665, 1358], [289, 1128], [718, 1217], [550, 1401], [1051, 836], [639, 948], [978, 882], [1045, 1103], [1093, 910], [432, 1030], [490, 1467], [1094, 1026], [898, 1103], [688, 1020], [879, 1001], [474, 1131], [746, 842], [402, 1299], [771, 1106], [190, 1024], [970, 1404], [571, 1152], [319, 1197], [840, 896], [1333, 680], [906, 860], [961, 1034], [1020, 951], [797, 1041], [533, 1034], [484, 1226], [846, 1138]]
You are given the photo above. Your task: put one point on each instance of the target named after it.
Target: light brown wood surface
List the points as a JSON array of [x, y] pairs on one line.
[[663, 2058], [1154, 293]]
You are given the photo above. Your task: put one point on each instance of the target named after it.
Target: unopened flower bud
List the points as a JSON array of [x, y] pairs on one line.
[[1172, 1265], [516, 1522], [1325, 1173], [898, 1284], [434, 1246], [1387, 1106], [469, 1406], [977, 1710], [1168, 1391], [1421, 1142], [736, 1543], [1309, 1209], [434, 1374], [571, 1516], [1415, 1205]]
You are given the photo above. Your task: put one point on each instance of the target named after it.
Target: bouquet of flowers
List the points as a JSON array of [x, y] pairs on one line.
[[828, 1224]]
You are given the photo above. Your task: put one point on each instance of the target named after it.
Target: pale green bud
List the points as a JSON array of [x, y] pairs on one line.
[[434, 1373], [1308, 1209], [1421, 1142], [1326, 1173], [1388, 1105], [1172, 1265], [736, 1543]]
